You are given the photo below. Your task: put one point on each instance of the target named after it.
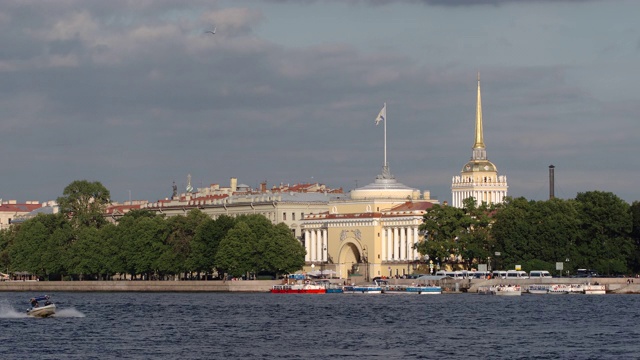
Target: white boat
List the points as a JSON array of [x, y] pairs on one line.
[[42, 311], [362, 289], [576, 289], [412, 289], [424, 290], [538, 289], [507, 290], [559, 289], [45, 310], [502, 290], [298, 289], [595, 289]]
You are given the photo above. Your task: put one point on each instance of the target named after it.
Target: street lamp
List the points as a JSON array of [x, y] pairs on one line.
[[365, 260], [313, 266], [324, 251]]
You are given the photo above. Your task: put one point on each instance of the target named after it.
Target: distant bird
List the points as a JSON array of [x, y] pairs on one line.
[[212, 32]]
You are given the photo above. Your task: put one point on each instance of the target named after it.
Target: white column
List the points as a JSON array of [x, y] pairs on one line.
[[403, 243], [409, 243], [325, 247], [395, 244], [383, 243], [307, 245], [415, 241], [389, 244], [319, 245], [313, 245]]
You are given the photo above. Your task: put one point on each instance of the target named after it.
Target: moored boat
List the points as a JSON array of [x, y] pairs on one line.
[[538, 289], [559, 289], [576, 289], [38, 310], [362, 289], [590, 289], [411, 289], [306, 288], [507, 290], [424, 290]]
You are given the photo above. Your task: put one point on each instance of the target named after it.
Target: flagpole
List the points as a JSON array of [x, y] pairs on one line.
[[385, 136]]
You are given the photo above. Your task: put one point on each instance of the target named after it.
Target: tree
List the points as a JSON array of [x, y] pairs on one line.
[[237, 252], [206, 241], [280, 251], [27, 251], [444, 226], [84, 203], [606, 225], [635, 235], [182, 230]]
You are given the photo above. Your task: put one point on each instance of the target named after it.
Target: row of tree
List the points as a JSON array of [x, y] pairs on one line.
[[596, 230], [78, 242]]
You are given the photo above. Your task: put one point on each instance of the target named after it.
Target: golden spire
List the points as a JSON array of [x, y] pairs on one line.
[[479, 138], [479, 151]]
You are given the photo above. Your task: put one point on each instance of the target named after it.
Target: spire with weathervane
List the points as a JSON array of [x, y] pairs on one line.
[[479, 177], [479, 150]]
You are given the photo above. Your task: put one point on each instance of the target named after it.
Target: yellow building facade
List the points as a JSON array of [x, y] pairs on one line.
[[373, 234]]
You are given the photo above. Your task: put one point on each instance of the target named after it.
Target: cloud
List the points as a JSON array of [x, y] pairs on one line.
[[451, 3]]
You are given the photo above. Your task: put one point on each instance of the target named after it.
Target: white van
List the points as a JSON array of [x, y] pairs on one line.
[[451, 274], [481, 274], [468, 274], [499, 274], [538, 274], [517, 274]]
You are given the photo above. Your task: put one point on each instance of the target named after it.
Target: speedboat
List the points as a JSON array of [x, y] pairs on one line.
[[45, 310]]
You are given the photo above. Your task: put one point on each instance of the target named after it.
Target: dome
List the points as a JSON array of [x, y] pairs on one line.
[[385, 188], [479, 166]]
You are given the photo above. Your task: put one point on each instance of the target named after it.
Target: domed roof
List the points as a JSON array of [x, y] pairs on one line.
[[384, 188], [479, 166]]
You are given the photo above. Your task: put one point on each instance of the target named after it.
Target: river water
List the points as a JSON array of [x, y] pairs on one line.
[[296, 326]]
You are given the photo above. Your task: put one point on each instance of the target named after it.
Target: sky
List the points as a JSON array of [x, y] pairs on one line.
[[134, 94]]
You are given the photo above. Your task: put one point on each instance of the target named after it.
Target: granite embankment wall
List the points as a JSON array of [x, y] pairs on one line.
[[139, 286]]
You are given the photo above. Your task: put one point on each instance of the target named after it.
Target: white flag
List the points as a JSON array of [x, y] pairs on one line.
[[382, 116]]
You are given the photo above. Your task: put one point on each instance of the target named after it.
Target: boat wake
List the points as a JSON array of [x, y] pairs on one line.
[[8, 312], [68, 313]]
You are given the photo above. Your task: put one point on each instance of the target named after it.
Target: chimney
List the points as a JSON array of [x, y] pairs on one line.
[[551, 182], [263, 187], [233, 184]]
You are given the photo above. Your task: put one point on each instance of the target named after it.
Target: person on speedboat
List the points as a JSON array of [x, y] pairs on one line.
[[34, 303]]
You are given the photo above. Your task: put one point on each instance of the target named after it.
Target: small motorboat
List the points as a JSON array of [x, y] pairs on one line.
[[38, 310]]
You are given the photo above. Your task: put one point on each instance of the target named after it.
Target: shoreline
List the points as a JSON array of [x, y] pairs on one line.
[[140, 286], [613, 285]]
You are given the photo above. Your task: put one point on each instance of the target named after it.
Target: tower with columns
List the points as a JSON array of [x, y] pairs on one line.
[[479, 177]]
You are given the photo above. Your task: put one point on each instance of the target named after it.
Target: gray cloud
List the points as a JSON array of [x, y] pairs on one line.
[[135, 95]]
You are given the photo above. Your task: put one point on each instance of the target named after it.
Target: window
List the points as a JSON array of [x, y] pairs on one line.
[[301, 215], [293, 216], [284, 216]]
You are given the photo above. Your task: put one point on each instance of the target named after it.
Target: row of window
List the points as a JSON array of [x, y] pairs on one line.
[[293, 216]]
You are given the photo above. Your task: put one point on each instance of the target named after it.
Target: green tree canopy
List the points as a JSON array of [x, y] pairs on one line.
[[84, 203]]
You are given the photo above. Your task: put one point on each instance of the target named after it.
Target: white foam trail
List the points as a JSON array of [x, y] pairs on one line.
[[68, 313], [8, 312]]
